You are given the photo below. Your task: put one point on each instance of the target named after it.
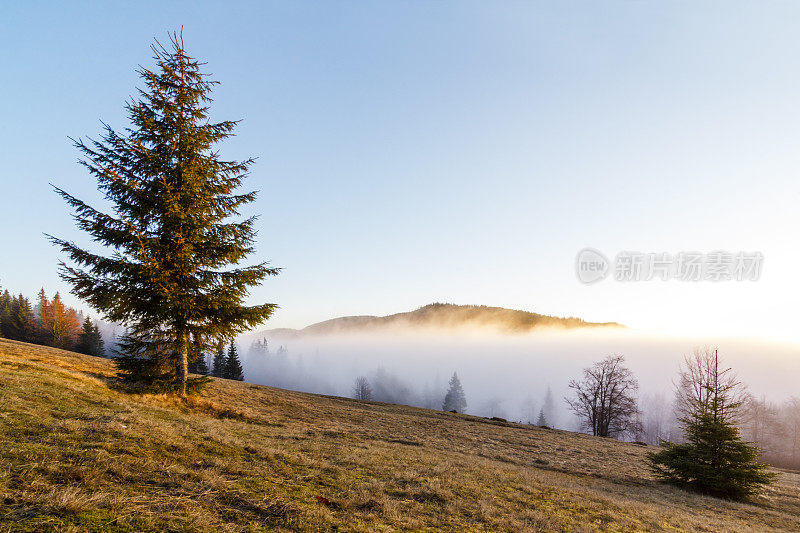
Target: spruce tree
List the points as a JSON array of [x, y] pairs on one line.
[[65, 326], [542, 420], [549, 407], [173, 276], [714, 459], [197, 361], [218, 365], [233, 367], [97, 341], [90, 341], [455, 399], [5, 312], [18, 321], [44, 316], [200, 366]]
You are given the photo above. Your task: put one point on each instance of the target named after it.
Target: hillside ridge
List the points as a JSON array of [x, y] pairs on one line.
[[80, 454], [443, 316]]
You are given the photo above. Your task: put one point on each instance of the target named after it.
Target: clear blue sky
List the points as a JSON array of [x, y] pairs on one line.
[[412, 152]]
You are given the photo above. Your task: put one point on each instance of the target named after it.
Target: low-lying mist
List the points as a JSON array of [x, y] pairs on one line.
[[504, 375]]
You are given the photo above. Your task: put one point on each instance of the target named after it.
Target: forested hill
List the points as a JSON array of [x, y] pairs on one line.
[[444, 316]]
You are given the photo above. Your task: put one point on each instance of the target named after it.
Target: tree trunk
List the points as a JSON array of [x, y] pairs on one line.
[[183, 365]]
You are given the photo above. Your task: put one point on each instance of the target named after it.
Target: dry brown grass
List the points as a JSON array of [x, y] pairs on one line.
[[78, 455]]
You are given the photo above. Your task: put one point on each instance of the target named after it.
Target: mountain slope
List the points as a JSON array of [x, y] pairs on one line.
[[79, 455], [443, 316]]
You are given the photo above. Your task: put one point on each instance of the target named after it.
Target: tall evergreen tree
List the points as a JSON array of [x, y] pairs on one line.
[[90, 341], [455, 399], [542, 420], [549, 408], [199, 365], [197, 361], [65, 326], [233, 367], [22, 323], [202, 366], [714, 459], [5, 312], [218, 365], [173, 277], [45, 319], [23, 320]]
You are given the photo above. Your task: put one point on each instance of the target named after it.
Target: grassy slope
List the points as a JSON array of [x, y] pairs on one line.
[[76, 454]]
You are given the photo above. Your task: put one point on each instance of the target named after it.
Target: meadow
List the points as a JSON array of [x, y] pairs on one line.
[[78, 453]]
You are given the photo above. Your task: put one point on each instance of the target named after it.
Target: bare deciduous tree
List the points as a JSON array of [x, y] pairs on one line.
[[699, 378], [790, 413], [658, 419], [605, 399], [494, 407], [714, 459], [528, 410], [761, 422], [775, 428], [361, 389]]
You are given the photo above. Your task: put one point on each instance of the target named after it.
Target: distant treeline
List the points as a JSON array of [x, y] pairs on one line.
[[223, 365], [49, 323]]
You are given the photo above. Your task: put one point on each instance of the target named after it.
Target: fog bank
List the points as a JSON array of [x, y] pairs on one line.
[[502, 375]]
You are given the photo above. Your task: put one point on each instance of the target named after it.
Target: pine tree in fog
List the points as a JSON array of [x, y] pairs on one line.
[[259, 348], [455, 399], [528, 410], [549, 408], [542, 420], [431, 398]]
